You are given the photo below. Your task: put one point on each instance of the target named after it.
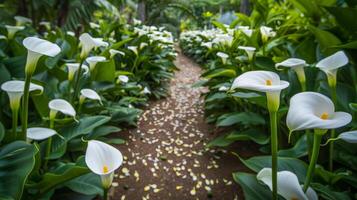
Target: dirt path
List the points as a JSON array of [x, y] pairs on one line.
[[165, 157]]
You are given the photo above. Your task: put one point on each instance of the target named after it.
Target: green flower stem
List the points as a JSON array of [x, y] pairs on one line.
[[77, 81], [274, 151], [15, 116], [25, 106], [309, 141], [105, 193], [333, 132], [49, 144], [313, 161]]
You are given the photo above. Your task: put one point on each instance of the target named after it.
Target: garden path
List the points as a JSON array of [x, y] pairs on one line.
[[165, 157]]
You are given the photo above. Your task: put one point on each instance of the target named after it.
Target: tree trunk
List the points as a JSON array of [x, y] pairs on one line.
[[244, 7], [141, 10]]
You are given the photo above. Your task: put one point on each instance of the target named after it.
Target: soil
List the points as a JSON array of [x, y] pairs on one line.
[[165, 156]]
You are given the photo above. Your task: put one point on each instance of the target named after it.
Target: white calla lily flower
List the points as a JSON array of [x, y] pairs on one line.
[[247, 32], [123, 79], [12, 30], [93, 60], [207, 44], [71, 33], [223, 88], [249, 50], [21, 20], [94, 25], [46, 24], [262, 81], [73, 68], [88, 43], [311, 110], [90, 94], [288, 185], [298, 66], [2, 37], [63, 106], [223, 57], [39, 133], [36, 48], [331, 64], [103, 159], [133, 49], [143, 44], [114, 52], [350, 136], [15, 90], [146, 91], [266, 33]]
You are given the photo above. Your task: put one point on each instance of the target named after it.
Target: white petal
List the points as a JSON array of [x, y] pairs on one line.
[[288, 183], [332, 62], [100, 154], [113, 52], [41, 46], [222, 55], [306, 109], [247, 48], [62, 106], [39, 133], [18, 86], [123, 78], [95, 59], [311, 194], [292, 62], [90, 94], [256, 80], [350, 136], [22, 20]]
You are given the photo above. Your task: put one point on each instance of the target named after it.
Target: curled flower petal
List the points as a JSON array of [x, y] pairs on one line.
[[39, 133], [91, 94], [333, 62], [41, 46], [60, 105], [350, 136]]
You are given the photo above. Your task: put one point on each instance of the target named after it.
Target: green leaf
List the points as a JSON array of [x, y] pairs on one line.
[[105, 71], [89, 184], [326, 192], [65, 172], [103, 131], [245, 118], [220, 141], [294, 165], [299, 149], [221, 72], [252, 189], [326, 40], [84, 126], [17, 160], [2, 132], [256, 135], [345, 17]]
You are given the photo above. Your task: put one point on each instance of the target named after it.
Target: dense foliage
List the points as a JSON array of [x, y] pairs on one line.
[[92, 93], [274, 32]]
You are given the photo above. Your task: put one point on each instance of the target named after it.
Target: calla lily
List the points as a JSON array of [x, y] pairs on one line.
[[2, 37], [311, 110], [146, 91], [73, 68], [270, 83], [20, 20], [103, 159], [262, 81], [207, 44], [288, 185], [123, 79], [350, 136], [93, 60], [266, 33], [47, 25], [298, 66], [133, 49], [71, 33], [223, 88], [143, 44], [223, 57], [12, 30], [15, 90], [88, 43], [94, 25], [39, 133], [90, 94], [36, 48], [60, 105], [331, 64], [114, 52], [247, 32], [249, 50]]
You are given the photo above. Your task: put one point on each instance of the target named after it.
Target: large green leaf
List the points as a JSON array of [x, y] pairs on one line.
[[256, 135], [245, 118], [252, 189], [284, 163], [345, 17], [326, 39], [89, 184], [17, 160], [297, 151], [105, 71], [221, 72], [84, 126], [63, 173]]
